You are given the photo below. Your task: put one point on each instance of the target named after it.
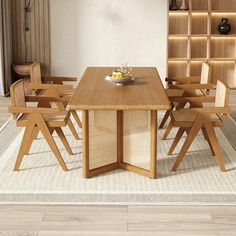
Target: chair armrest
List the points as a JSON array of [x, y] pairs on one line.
[[183, 79], [207, 110], [29, 110], [193, 86], [44, 99], [69, 92], [59, 87], [195, 99], [58, 79]]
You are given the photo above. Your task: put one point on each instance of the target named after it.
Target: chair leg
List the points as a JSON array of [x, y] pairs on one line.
[[208, 140], [77, 119], [192, 134], [47, 135], [176, 140], [214, 143], [72, 129], [165, 118], [23, 147], [32, 138], [64, 141], [167, 132]]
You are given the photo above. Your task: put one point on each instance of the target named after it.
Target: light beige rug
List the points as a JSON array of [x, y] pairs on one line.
[[41, 180]]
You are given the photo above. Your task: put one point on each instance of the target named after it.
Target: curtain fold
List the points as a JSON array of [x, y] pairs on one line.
[[6, 46]]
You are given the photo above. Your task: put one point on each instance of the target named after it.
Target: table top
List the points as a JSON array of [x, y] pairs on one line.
[[96, 93]]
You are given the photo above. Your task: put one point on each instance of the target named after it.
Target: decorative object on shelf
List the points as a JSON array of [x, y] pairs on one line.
[[173, 5], [26, 17], [184, 6], [224, 26]]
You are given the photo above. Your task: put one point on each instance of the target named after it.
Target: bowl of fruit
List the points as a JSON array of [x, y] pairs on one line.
[[122, 75]]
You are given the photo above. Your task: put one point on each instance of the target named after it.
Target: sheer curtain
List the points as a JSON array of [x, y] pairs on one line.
[[5, 46]]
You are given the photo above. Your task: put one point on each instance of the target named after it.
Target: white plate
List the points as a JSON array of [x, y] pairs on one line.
[[122, 81]]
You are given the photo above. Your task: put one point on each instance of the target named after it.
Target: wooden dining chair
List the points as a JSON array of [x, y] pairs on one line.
[[183, 87], [53, 85], [38, 119], [192, 120]]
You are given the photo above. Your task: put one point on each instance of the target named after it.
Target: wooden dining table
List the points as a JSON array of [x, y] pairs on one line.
[[119, 122]]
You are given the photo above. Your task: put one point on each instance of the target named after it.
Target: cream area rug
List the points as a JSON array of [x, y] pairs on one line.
[[42, 181]]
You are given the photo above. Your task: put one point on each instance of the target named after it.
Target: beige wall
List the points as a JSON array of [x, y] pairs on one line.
[[107, 32]]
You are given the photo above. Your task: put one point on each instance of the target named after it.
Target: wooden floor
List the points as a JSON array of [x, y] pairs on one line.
[[4, 115], [116, 220]]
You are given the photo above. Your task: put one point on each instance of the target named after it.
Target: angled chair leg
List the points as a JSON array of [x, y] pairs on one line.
[[192, 134], [64, 140], [72, 128], [208, 140], [167, 132], [47, 135], [176, 140], [214, 143], [77, 119], [165, 118], [32, 138], [24, 144]]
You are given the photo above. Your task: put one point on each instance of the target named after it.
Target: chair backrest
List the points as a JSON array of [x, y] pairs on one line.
[[17, 95], [35, 73], [206, 73], [222, 94]]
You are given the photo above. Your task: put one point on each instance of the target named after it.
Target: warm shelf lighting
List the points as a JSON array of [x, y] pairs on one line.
[[199, 13], [199, 37], [222, 62], [178, 62], [224, 37], [178, 13], [223, 13], [178, 38]]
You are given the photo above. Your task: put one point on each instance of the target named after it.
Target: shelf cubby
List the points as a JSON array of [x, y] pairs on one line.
[[223, 5], [178, 47], [199, 5], [224, 71], [199, 23], [216, 20], [223, 48], [199, 47], [178, 23], [177, 68], [195, 68]]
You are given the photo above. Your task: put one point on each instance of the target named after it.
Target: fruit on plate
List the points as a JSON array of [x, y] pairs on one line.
[[119, 75]]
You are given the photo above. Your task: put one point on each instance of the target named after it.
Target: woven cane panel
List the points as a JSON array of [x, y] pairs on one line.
[[102, 138], [136, 146]]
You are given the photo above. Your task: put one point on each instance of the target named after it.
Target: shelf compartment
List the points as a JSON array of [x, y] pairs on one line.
[[199, 48], [224, 5], [178, 47], [224, 71], [195, 68], [179, 68], [223, 36], [199, 5], [178, 24], [199, 23], [223, 48], [216, 20]]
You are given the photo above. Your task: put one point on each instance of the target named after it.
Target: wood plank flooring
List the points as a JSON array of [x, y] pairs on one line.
[[4, 115], [33, 220], [117, 220]]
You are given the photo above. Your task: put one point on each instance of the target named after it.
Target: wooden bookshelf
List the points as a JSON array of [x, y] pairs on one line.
[[193, 38]]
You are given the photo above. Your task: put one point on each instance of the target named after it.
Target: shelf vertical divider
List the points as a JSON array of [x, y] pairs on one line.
[[189, 39]]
